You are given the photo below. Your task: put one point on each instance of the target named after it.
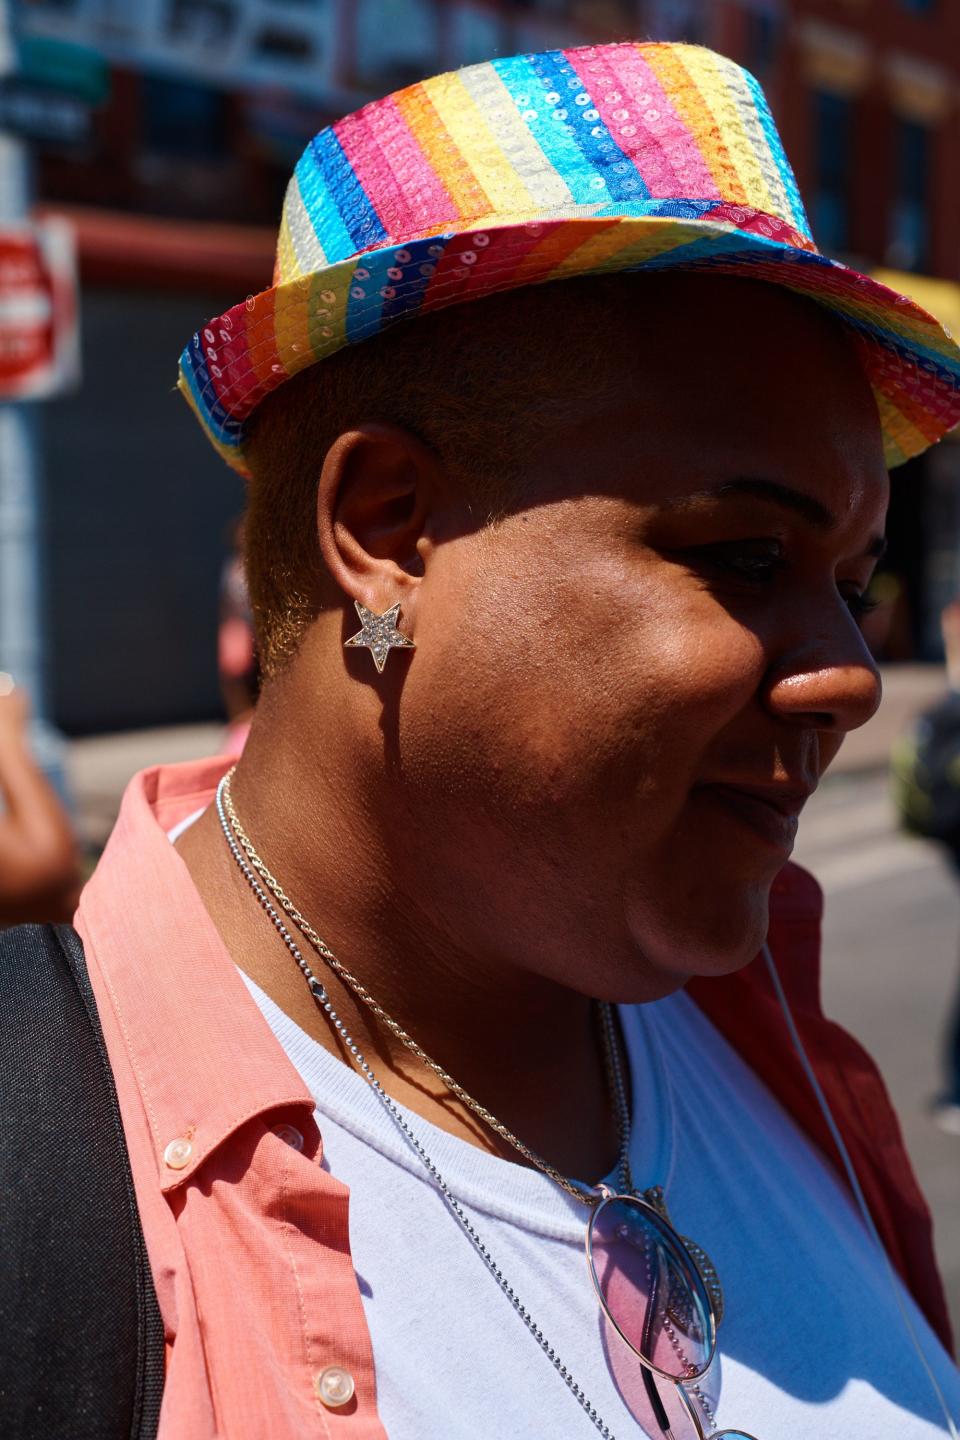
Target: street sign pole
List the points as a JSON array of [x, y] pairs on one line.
[[22, 648]]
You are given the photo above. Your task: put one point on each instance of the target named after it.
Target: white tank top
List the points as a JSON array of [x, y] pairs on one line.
[[813, 1346]]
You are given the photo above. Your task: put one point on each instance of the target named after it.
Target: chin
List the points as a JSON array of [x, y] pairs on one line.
[[716, 935]]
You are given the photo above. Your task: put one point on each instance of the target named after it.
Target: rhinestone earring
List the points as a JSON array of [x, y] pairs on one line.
[[379, 634]]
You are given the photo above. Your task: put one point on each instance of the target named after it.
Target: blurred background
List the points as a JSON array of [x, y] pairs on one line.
[[144, 149], [165, 132]]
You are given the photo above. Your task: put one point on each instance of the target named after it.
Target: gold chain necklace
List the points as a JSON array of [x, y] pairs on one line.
[[397, 1030], [654, 1196]]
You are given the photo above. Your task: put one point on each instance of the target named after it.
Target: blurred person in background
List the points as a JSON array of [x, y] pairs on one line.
[[39, 869], [236, 646], [462, 970], [946, 1105], [925, 767]]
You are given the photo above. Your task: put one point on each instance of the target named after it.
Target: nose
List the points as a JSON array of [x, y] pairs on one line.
[[826, 685]]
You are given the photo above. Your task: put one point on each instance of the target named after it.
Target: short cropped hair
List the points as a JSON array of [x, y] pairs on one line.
[[477, 383]]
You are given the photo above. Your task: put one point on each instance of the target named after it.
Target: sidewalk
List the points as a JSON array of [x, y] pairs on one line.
[[99, 766]]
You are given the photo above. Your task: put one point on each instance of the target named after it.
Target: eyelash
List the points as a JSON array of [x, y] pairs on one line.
[[860, 605], [759, 561]]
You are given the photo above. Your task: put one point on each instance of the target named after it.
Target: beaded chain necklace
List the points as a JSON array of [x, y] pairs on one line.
[[268, 890]]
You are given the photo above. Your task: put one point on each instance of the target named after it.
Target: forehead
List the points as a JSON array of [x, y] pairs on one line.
[[705, 377]]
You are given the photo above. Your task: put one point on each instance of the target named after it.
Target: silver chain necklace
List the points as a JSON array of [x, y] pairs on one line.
[[611, 1050], [253, 870]]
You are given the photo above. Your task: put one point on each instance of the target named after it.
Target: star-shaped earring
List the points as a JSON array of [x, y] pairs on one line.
[[379, 634]]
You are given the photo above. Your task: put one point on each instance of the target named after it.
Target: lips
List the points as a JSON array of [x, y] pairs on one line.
[[771, 812]]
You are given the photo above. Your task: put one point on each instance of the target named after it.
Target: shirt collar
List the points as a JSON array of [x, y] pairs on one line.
[[204, 1057]]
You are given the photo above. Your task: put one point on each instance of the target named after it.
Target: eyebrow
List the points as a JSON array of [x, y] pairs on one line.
[[797, 501]]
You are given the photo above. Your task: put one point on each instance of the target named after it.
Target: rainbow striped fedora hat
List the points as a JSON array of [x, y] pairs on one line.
[[542, 167]]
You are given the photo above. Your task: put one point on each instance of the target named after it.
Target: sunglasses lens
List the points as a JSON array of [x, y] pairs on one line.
[[650, 1288]]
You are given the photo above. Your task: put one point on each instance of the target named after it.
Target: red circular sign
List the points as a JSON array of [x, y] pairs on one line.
[[26, 312]]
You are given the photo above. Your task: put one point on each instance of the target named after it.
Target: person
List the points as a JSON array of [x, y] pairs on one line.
[[946, 1105], [487, 954], [236, 647], [925, 777], [39, 868]]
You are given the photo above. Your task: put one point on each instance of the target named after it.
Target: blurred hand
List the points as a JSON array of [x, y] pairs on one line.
[[39, 871], [950, 629], [14, 717]]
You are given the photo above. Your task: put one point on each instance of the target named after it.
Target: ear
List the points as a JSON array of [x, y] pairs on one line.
[[374, 501]]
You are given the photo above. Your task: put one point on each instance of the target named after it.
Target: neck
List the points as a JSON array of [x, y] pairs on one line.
[[524, 1047]]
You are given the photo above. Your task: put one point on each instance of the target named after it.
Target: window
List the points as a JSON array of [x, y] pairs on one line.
[[202, 22], [679, 20], [476, 34], [63, 7], [274, 43], [908, 244], [181, 118], [763, 42], [397, 42], [833, 150], [207, 24]]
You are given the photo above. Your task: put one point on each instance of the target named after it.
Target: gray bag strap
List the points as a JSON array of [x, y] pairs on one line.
[[81, 1338]]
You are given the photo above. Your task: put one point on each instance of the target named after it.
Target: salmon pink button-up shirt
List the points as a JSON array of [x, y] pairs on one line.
[[247, 1234]]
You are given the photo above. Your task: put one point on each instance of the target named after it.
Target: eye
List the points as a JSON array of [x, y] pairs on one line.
[[860, 604], [756, 560]]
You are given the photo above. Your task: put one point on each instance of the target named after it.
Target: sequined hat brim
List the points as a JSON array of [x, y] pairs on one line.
[[911, 362]]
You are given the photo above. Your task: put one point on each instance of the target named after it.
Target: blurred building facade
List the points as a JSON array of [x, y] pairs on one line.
[[867, 93], [198, 113]]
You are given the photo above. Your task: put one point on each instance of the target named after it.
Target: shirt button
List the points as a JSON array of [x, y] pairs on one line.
[[335, 1387], [177, 1154], [290, 1135]]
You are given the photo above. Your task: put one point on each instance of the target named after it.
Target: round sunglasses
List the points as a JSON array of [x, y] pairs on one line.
[[656, 1299]]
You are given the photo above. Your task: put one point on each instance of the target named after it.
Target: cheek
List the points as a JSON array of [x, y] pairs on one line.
[[560, 683]]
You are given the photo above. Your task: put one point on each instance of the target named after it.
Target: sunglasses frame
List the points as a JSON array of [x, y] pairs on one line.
[[650, 1383], [673, 1241], [651, 1373]]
